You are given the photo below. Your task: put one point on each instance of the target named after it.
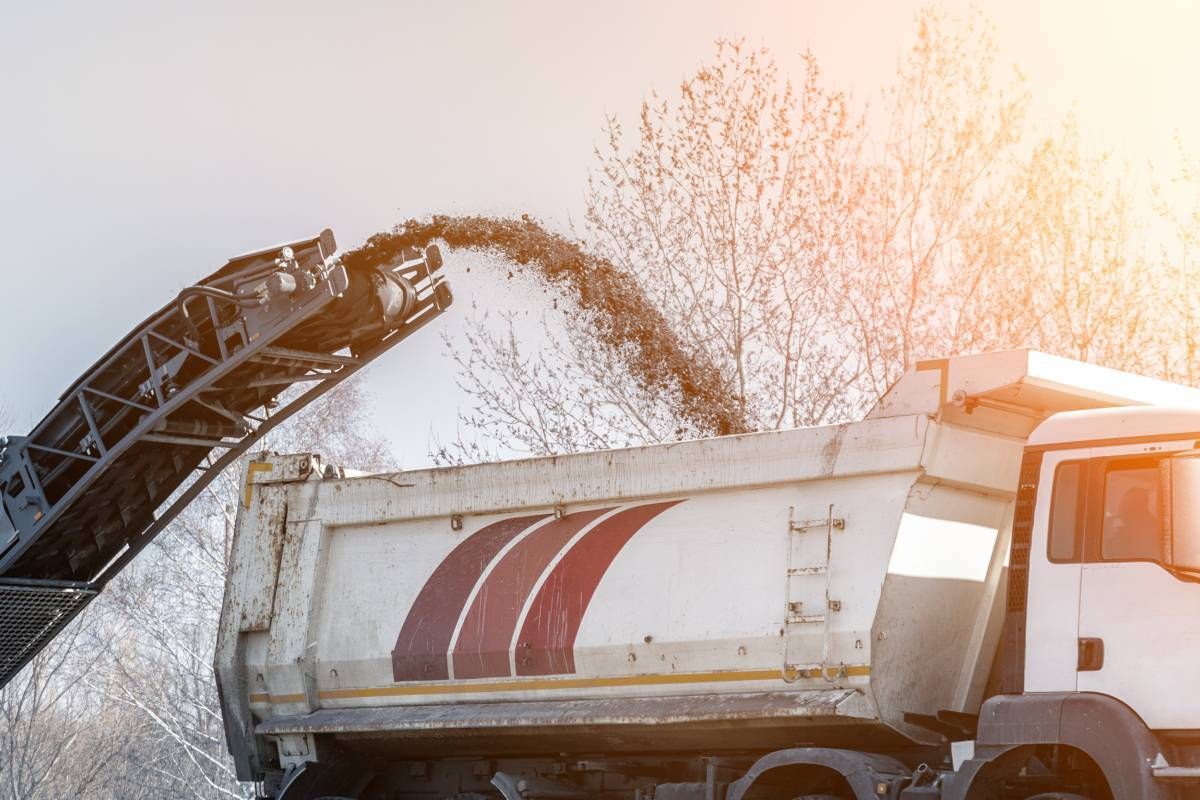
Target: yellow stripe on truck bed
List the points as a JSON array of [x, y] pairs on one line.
[[452, 687]]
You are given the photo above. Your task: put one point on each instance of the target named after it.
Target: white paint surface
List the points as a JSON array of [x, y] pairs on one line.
[[942, 548]]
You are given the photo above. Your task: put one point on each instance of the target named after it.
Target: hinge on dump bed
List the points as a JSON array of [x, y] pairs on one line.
[[795, 613]]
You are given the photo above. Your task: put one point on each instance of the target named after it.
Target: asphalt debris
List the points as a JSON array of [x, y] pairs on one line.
[[611, 300]]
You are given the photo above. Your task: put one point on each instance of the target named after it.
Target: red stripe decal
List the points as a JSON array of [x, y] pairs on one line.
[[546, 645], [421, 648], [482, 647]]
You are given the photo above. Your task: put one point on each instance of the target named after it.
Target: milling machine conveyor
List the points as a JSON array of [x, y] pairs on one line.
[[175, 402]]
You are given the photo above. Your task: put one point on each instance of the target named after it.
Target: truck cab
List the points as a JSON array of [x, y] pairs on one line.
[[1113, 598], [1102, 629]]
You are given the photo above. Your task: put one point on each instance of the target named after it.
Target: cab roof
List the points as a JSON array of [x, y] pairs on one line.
[[1110, 425], [1012, 392]]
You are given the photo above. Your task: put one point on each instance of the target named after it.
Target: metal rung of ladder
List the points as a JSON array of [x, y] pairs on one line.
[[796, 613], [837, 523]]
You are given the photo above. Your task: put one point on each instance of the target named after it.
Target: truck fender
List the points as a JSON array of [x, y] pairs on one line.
[[1107, 730], [862, 771], [292, 774]]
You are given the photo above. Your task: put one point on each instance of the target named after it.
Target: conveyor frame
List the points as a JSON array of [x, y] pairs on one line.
[[181, 398]]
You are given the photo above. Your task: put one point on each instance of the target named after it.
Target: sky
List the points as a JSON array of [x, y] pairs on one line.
[[145, 142]]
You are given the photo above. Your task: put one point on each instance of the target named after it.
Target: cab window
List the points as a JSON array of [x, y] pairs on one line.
[[1132, 529], [1066, 512]]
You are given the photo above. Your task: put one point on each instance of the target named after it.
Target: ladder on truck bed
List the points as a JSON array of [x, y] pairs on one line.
[[175, 402]]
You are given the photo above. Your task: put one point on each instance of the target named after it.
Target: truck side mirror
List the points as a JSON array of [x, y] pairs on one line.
[[1183, 512]]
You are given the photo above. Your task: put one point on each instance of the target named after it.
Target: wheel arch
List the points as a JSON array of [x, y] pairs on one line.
[[1099, 726], [860, 771]]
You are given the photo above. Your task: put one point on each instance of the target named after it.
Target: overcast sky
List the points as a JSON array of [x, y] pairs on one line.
[[143, 143]]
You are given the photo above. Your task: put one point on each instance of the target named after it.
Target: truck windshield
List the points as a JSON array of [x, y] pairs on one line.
[[1183, 525], [1133, 529], [1152, 512]]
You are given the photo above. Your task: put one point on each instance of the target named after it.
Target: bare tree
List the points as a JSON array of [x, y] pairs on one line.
[[45, 717], [48, 740], [161, 674], [171, 602], [923, 258], [1177, 266], [576, 393], [814, 250], [810, 254], [1076, 261], [728, 208], [124, 703]]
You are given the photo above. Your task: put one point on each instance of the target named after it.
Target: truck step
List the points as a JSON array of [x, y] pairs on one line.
[[1163, 771]]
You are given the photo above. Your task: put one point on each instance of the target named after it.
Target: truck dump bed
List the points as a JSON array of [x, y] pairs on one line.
[[763, 590]]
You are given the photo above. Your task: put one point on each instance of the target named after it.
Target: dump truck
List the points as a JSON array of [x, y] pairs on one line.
[[987, 588]]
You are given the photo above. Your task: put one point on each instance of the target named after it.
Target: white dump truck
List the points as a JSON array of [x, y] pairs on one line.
[[988, 588]]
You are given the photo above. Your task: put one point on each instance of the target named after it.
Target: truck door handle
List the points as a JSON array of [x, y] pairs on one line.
[[1091, 653]]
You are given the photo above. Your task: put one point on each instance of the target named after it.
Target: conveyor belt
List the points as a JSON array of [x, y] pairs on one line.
[[143, 431]]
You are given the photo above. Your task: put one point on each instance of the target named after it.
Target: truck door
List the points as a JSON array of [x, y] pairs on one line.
[[1052, 622], [1139, 623]]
